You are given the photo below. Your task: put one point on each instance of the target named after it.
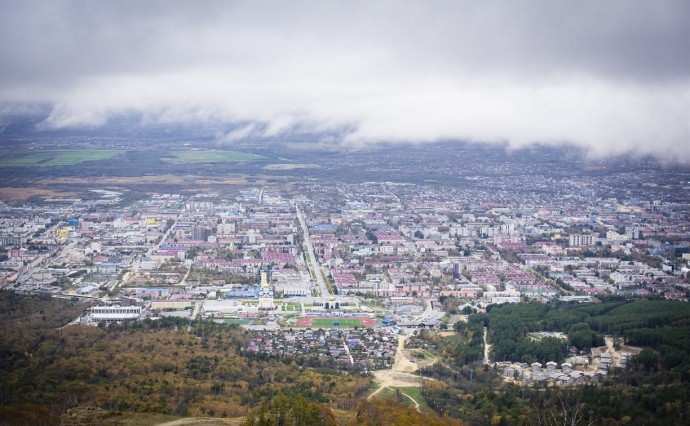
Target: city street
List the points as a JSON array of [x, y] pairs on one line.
[[312, 264]]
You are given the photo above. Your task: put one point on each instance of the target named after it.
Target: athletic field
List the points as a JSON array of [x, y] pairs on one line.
[[349, 322]]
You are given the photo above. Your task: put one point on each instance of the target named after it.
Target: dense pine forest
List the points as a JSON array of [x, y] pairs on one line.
[[654, 389], [661, 325]]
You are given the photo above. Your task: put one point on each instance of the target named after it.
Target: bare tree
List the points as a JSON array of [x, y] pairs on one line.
[[565, 411]]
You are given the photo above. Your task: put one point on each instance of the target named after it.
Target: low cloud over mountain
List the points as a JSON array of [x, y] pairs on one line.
[[612, 77]]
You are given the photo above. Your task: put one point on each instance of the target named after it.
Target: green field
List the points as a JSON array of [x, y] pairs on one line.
[[57, 157], [411, 392], [214, 156], [237, 321], [343, 322], [289, 306]]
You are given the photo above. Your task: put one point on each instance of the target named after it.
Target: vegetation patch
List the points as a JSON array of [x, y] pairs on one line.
[[336, 322], [423, 355], [23, 194], [416, 394], [98, 416], [289, 306], [214, 156], [236, 321], [651, 389], [661, 325], [397, 394], [341, 322], [50, 158], [169, 366]]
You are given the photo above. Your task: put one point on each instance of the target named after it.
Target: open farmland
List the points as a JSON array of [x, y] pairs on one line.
[[213, 156], [55, 157], [23, 194]]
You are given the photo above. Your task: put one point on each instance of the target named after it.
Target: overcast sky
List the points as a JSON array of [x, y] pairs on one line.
[[611, 76]]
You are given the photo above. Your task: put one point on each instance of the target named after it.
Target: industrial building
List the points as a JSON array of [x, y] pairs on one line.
[[109, 314]]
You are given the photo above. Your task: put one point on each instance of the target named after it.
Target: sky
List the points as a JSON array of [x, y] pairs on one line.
[[610, 76]]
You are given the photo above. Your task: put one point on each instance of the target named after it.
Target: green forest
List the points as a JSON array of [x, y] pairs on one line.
[[654, 389], [661, 325]]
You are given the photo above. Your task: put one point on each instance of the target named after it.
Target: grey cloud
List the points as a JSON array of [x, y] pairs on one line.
[[610, 76]]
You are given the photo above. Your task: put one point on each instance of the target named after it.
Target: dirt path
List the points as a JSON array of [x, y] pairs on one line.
[[609, 345], [416, 404], [203, 421], [487, 348], [400, 375]]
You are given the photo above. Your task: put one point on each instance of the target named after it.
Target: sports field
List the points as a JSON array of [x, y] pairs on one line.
[[342, 322], [213, 156], [49, 158], [237, 321]]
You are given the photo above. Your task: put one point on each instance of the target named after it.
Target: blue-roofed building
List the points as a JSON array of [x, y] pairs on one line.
[[250, 293], [388, 321], [323, 227]]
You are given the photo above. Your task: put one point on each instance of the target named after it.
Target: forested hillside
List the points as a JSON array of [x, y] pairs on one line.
[[182, 368], [653, 389], [661, 325], [167, 366]]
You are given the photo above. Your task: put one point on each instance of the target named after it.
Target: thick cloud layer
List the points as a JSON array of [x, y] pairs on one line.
[[612, 76]]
